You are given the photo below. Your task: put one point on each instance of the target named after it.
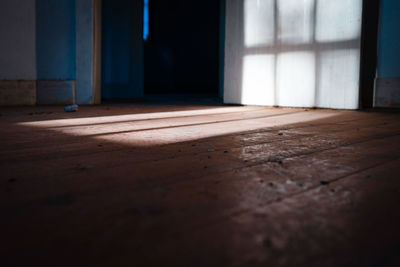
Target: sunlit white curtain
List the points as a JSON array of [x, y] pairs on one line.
[[296, 53]]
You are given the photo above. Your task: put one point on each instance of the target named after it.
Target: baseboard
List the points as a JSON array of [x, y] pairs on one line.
[[55, 92], [387, 93], [17, 93]]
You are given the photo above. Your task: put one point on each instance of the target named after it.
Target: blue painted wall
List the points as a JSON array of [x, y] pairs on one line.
[[84, 51], [389, 39], [55, 39], [122, 49], [116, 48]]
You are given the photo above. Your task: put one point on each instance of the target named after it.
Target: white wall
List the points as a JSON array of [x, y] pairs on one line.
[[17, 40], [293, 53]]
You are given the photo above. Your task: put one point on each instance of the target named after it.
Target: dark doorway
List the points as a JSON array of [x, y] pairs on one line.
[[182, 48]]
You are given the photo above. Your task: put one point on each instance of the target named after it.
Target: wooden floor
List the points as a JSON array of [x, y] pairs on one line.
[[154, 185]]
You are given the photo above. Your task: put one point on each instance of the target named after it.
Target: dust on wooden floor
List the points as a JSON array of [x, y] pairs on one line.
[[149, 185]]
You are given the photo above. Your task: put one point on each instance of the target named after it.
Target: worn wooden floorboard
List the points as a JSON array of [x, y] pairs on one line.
[[236, 186]]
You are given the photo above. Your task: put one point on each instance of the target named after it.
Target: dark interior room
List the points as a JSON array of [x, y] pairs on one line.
[[181, 52], [200, 133]]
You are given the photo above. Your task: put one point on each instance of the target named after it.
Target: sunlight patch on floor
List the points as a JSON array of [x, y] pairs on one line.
[[150, 129]]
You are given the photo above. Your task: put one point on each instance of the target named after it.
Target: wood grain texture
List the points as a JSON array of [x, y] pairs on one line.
[[214, 186]]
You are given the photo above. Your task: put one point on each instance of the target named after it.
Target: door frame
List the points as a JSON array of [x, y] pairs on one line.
[[97, 18], [369, 52]]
